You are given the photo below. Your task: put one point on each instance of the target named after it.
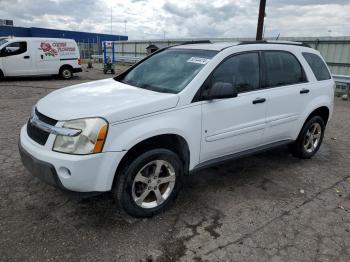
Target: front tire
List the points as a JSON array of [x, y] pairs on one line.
[[309, 139], [149, 184]]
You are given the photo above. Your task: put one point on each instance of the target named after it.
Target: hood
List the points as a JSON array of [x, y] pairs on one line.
[[107, 98]]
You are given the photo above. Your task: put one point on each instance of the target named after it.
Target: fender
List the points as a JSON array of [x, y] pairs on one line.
[[184, 122]]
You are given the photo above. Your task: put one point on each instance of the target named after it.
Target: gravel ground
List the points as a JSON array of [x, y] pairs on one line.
[[269, 207]]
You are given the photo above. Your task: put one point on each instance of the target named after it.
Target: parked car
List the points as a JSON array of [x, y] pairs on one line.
[[33, 56], [179, 110]]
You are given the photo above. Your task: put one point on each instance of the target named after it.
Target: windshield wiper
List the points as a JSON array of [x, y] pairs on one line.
[[156, 88]]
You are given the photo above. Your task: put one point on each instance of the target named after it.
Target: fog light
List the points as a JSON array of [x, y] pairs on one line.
[[64, 172]]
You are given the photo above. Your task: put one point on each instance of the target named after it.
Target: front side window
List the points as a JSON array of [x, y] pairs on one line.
[[240, 70], [15, 48], [169, 71], [318, 67], [282, 68], [3, 41]]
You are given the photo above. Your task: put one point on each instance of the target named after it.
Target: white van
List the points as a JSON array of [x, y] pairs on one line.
[[39, 56]]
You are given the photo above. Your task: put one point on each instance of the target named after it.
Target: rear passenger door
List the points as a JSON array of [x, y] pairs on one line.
[[288, 94], [47, 58], [234, 124]]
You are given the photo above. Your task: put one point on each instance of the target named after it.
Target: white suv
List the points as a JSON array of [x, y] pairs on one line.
[[178, 110]]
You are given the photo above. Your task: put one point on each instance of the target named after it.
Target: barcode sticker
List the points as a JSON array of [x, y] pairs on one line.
[[198, 60]]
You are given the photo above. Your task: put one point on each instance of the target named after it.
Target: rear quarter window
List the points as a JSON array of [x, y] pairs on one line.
[[317, 65]]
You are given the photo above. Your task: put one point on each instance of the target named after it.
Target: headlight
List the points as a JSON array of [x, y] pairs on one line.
[[89, 141]]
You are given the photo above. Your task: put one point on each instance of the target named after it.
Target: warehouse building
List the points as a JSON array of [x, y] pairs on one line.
[[81, 37]]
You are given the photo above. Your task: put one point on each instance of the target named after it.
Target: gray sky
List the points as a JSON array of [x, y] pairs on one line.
[[149, 19]]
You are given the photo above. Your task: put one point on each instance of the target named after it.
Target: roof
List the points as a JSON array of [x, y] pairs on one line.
[[37, 38], [223, 45]]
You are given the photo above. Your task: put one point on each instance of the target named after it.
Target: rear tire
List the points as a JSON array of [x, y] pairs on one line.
[[149, 184], [309, 139], [66, 73]]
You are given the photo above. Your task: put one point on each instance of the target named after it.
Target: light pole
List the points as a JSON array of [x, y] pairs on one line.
[[111, 20]]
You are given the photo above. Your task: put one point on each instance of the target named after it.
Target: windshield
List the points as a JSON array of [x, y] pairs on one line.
[[3, 41], [169, 71]]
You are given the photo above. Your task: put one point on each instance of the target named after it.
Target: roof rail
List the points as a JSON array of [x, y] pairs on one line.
[[274, 43], [196, 42]]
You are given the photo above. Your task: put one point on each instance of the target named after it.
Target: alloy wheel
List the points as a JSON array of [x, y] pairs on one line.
[[153, 184], [312, 137]]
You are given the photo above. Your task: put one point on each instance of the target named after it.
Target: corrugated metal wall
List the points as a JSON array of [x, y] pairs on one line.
[[335, 50]]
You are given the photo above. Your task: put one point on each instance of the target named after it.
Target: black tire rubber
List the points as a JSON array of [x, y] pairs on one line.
[[123, 184], [297, 148], [66, 68]]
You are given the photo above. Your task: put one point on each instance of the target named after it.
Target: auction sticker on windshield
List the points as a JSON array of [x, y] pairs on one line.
[[198, 60]]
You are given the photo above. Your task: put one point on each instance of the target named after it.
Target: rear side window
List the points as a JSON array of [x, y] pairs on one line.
[[240, 70], [318, 66], [282, 68]]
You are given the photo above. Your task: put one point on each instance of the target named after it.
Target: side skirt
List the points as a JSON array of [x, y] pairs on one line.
[[249, 152]]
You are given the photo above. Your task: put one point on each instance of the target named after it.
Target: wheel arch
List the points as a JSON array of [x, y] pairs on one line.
[[322, 111], [1, 73], [170, 141]]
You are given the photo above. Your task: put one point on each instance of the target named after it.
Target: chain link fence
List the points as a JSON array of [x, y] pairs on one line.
[[89, 50]]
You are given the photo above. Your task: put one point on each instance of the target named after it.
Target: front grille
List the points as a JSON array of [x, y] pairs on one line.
[[37, 134]]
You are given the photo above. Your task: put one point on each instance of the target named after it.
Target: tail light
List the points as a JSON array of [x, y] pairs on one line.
[[79, 61]]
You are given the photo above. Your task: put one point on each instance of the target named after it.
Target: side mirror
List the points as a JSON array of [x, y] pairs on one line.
[[221, 90]]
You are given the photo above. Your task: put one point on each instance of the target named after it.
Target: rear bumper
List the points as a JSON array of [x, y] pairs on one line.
[[77, 70]]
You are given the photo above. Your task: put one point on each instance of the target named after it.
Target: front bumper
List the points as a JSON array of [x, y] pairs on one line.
[[40, 169], [87, 173]]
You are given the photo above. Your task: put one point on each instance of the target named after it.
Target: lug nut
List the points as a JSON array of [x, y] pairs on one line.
[[155, 187], [149, 188], [149, 181]]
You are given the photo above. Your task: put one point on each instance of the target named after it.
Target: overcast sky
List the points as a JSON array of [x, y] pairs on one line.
[[149, 19]]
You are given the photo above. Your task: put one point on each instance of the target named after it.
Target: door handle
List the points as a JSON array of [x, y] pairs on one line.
[[26, 57], [259, 101], [304, 91]]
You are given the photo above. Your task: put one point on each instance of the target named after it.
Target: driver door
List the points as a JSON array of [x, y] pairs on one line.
[[234, 124], [16, 59]]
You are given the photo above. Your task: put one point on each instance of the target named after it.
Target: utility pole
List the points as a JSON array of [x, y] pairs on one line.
[[260, 28]]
